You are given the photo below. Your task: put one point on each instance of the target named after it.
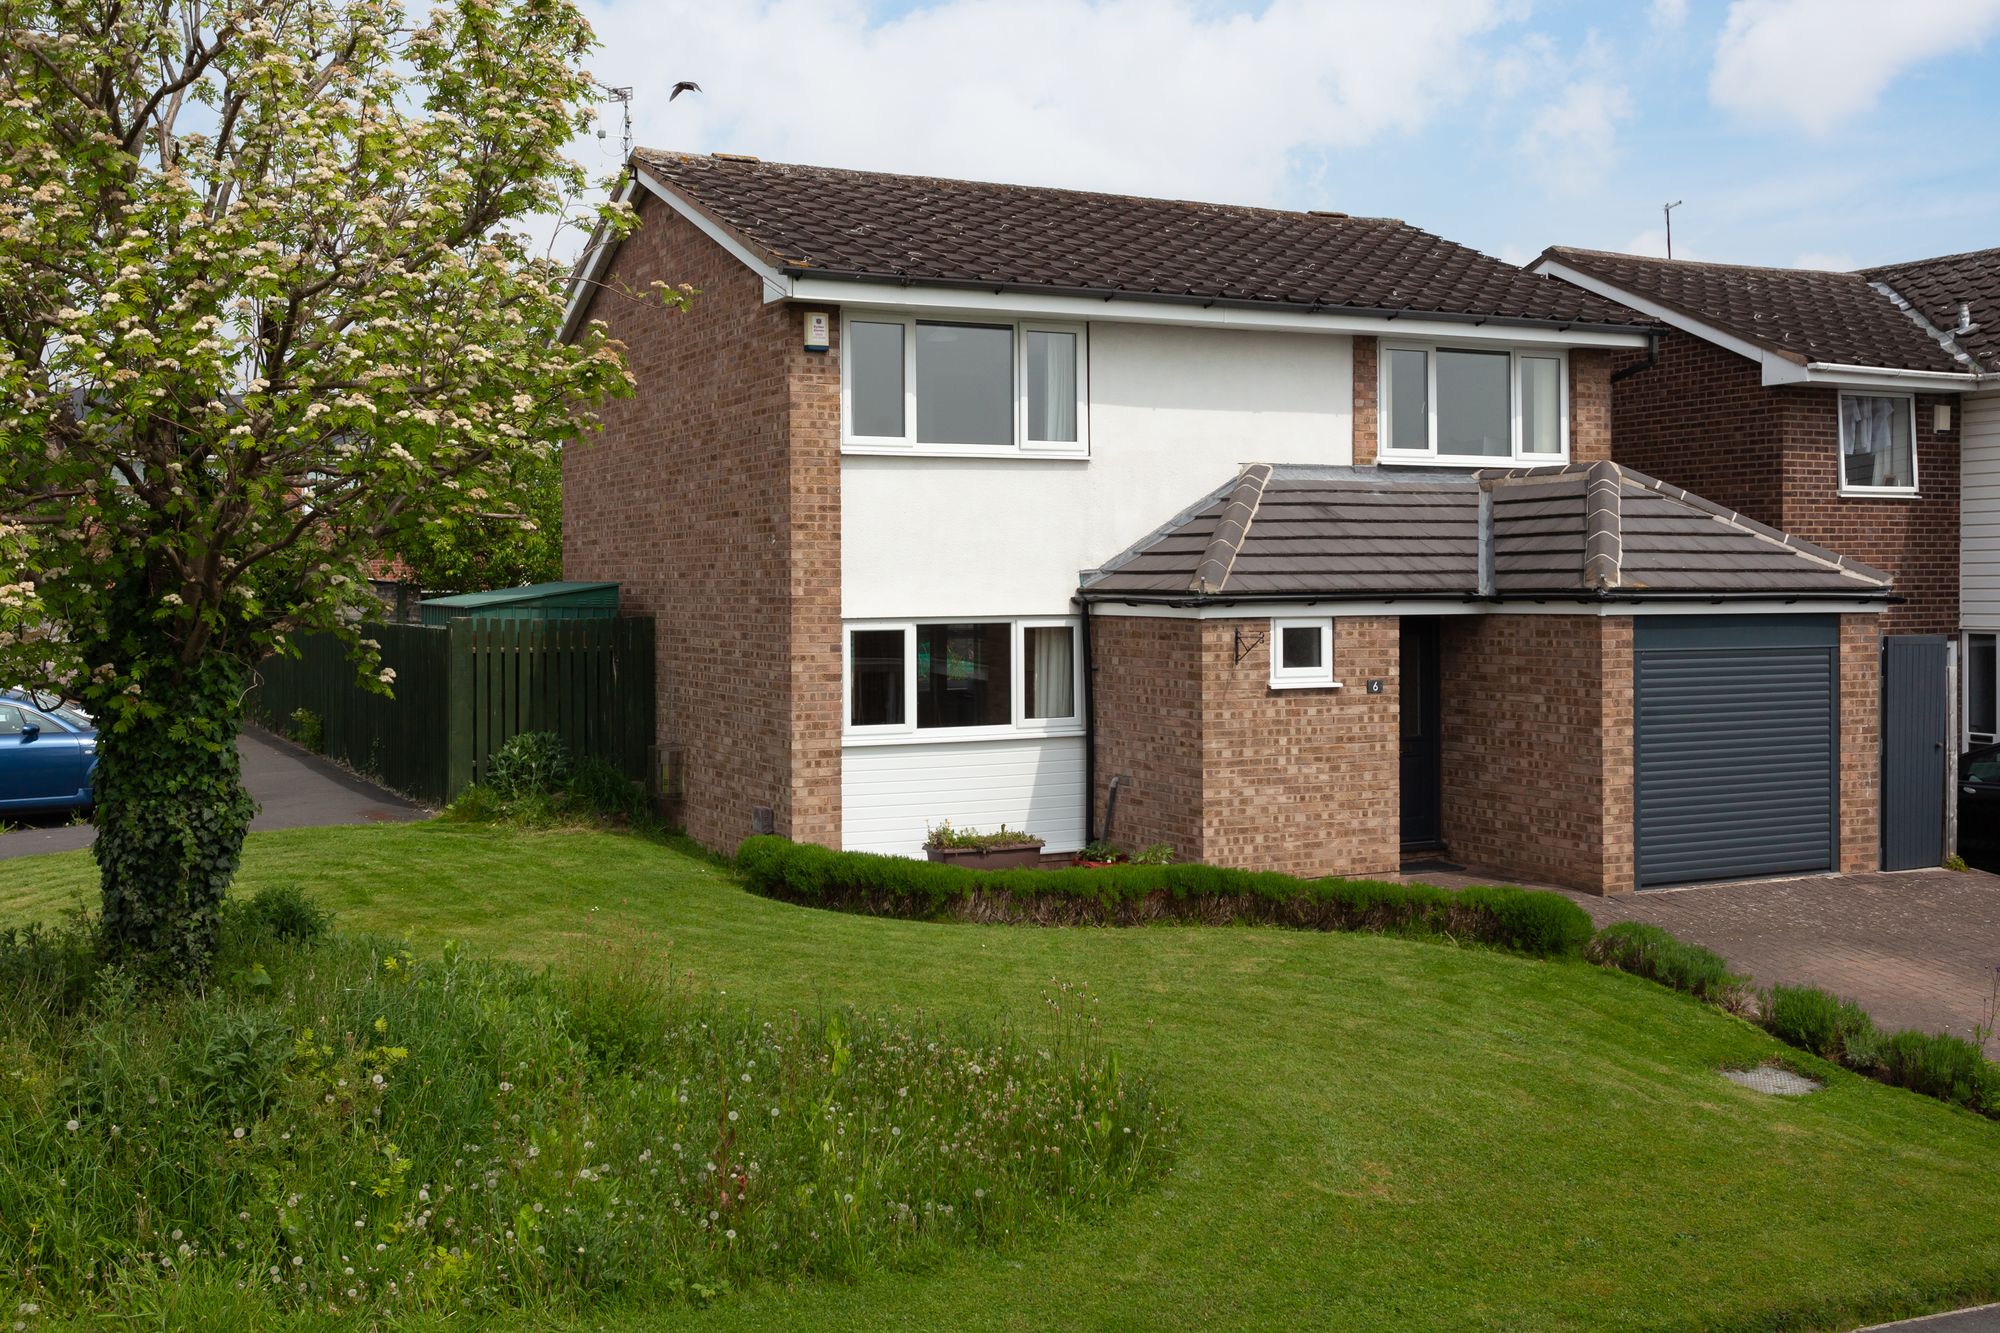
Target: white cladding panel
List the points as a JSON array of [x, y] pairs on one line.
[[1174, 413], [1979, 512], [890, 794]]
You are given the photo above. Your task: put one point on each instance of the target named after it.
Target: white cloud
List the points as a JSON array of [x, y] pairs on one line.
[[1162, 98], [1653, 241], [1572, 140], [1668, 15], [1820, 63]]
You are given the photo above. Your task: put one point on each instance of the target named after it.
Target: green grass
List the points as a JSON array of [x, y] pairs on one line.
[[1376, 1133]]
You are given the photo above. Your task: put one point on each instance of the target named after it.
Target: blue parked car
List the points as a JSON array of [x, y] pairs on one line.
[[48, 753]]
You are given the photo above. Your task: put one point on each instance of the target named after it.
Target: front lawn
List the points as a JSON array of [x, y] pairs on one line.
[[1375, 1133]]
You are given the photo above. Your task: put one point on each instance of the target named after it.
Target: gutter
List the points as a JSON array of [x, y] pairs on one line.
[[1182, 602], [1640, 367], [1209, 302]]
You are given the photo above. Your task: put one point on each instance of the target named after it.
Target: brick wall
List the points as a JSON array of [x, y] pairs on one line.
[[1229, 771], [1589, 404], [1303, 781], [1860, 742], [688, 498], [1538, 763], [1703, 419], [1700, 419], [1367, 383], [1146, 679], [1914, 539]]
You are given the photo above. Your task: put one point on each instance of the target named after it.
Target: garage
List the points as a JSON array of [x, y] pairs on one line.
[[1737, 748]]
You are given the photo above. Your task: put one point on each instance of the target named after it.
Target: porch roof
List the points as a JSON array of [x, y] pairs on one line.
[[1282, 532]]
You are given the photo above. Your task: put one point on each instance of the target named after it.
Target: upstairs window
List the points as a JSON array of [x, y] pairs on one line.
[[1472, 405], [1878, 453], [964, 387]]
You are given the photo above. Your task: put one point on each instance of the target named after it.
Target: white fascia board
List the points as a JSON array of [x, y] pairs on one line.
[[601, 250], [1084, 309], [1553, 607], [1776, 369], [776, 285]]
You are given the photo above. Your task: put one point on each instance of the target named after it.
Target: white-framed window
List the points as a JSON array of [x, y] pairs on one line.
[[1878, 444], [1982, 689], [1302, 654], [1474, 406], [972, 678], [963, 386]]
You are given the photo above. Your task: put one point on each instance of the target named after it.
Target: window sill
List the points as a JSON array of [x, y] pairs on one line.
[[1879, 493], [1388, 459], [1066, 455], [1307, 685], [958, 736]]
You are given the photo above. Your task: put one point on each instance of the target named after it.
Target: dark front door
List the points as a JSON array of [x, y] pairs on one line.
[[1423, 751]]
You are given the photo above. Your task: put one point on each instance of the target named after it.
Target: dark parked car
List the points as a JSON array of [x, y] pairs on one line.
[[1979, 803], [48, 753]]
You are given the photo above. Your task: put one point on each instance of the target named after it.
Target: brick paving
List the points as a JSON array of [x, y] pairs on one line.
[[1915, 948]]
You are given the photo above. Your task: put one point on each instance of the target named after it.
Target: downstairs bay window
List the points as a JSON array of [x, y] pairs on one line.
[[962, 386], [941, 680], [1473, 406]]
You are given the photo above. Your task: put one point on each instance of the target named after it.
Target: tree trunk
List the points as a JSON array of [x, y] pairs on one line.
[[171, 814]]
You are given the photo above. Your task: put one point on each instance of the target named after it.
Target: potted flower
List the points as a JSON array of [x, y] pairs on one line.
[[1002, 849], [1099, 854]]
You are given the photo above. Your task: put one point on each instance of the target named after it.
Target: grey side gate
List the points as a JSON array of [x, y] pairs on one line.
[[1916, 699], [1737, 751]]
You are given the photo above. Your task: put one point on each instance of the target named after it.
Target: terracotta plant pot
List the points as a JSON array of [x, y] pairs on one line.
[[1008, 856]]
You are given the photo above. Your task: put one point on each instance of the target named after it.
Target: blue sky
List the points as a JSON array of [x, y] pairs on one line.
[[1833, 133]]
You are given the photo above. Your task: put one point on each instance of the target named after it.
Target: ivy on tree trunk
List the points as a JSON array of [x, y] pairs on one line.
[[171, 815]]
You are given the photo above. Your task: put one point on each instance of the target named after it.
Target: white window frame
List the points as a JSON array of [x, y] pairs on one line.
[[907, 732], [1429, 456], [908, 445], [1320, 677], [1909, 492], [1968, 737]]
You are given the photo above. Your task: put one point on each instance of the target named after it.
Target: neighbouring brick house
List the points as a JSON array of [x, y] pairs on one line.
[[1829, 404], [1289, 539]]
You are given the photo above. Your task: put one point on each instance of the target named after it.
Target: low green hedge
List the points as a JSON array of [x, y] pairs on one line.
[[1648, 951], [1540, 923]]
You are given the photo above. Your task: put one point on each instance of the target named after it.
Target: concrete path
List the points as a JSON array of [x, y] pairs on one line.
[[1978, 1319], [292, 787]]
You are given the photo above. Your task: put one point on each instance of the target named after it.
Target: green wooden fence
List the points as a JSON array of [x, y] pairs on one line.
[[462, 690]]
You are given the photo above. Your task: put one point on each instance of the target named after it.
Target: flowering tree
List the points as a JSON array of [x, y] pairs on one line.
[[261, 318]]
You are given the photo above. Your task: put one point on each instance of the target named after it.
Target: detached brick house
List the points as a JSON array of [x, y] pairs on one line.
[[1828, 404], [1293, 540]]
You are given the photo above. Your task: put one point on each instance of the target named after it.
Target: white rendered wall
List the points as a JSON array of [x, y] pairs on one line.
[[1174, 413], [890, 794]]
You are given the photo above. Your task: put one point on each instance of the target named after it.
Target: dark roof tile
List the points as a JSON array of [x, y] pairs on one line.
[[1936, 286], [1557, 531], [871, 224], [1803, 314]]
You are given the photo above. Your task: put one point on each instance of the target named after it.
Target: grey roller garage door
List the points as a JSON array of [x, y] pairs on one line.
[[1738, 746]]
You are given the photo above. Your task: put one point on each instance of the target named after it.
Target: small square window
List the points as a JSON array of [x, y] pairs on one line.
[[1302, 654]]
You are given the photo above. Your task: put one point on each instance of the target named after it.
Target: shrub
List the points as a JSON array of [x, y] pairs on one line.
[[1817, 1021], [1650, 952], [1546, 924], [377, 1141], [599, 790], [534, 763], [1938, 1065], [278, 912], [308, 730]]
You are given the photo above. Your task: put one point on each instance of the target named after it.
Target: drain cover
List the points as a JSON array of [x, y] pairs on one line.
[[1774, 1079]]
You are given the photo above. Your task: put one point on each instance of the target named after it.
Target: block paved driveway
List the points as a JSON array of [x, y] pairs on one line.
[[1914, 948], [292, 788]]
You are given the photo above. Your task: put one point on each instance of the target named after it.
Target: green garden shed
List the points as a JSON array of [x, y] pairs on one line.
[[536, 601]]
